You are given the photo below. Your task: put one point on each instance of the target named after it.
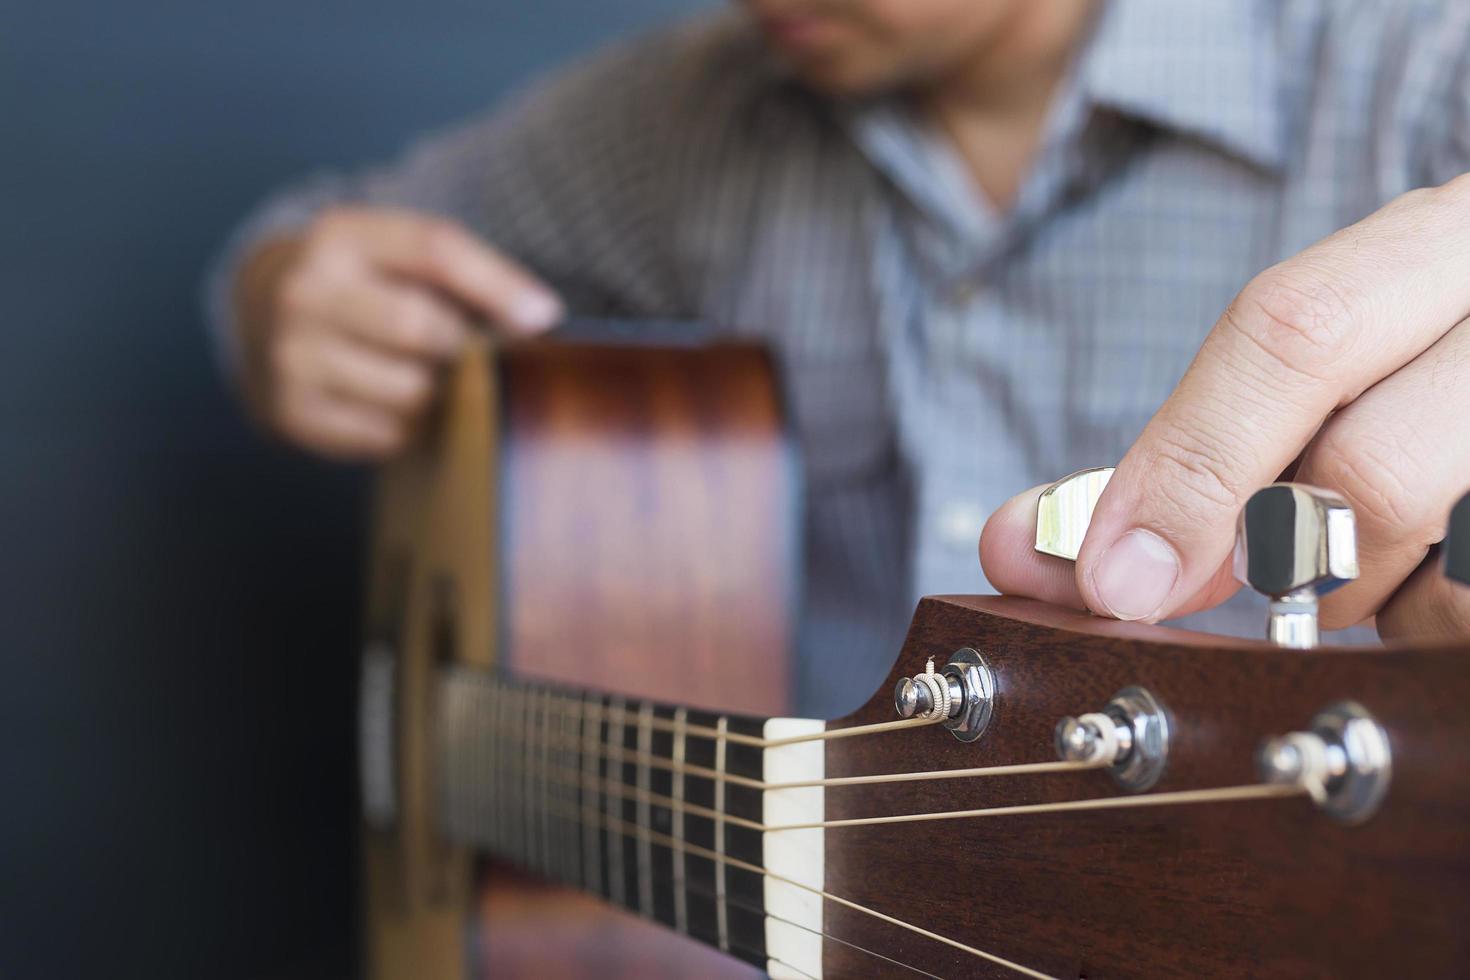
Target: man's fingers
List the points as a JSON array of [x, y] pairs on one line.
[[340, 428], [442, 254], [1013, 565], [1301, 340], [1427, 607], [1387, 455], [397, 316], [343, 367]]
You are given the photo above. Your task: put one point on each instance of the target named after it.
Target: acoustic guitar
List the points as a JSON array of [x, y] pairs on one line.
[[583, 602]]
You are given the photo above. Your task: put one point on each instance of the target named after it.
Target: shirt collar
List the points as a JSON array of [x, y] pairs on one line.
[[1208, 68]]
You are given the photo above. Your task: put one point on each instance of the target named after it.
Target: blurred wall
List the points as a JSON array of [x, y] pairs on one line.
[[179, 599]]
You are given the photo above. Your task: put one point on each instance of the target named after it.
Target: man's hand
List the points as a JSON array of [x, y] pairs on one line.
[[1351, 360], [342, 328]]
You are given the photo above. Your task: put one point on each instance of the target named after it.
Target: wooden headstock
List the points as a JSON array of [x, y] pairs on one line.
[[1272, 886]]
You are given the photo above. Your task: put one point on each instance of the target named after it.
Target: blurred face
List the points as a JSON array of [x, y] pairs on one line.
[[855, 47]]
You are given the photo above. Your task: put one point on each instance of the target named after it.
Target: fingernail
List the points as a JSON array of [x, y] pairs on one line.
[[537, 310], [1134, 577]]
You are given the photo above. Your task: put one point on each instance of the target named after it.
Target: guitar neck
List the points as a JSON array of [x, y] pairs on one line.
[[654, 808]]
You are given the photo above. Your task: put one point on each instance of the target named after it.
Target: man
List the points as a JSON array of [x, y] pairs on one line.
[[993, 242]]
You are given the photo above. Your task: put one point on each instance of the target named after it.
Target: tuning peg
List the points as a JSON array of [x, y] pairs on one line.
[[1456, 545], [1294, 544], [1065, 510]]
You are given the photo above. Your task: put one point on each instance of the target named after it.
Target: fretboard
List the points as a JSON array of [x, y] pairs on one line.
[[654, 808]]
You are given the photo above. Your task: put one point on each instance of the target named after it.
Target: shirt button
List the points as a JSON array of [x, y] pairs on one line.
[[959, 523]]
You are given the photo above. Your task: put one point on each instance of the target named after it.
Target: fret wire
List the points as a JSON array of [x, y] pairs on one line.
[[615, 873], [546, 867], [681, 892], [721, 912], [525, 813], [645, 816], [548, 826], [495, 752], [480, 759], [528, 791], [511, 778], [550, 792], [591, 833], [571, 832], [550, 834]]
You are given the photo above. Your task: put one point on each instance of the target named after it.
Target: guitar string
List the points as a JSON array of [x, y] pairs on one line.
[[597, 712], [672, 765], [667, 841], [684, 885], [624, 829], [1221, 794], [724, 860]]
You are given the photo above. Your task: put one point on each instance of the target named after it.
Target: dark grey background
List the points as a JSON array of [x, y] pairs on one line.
[[178, 599]]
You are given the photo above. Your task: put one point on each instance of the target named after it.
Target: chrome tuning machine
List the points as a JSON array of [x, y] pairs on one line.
[[961, 694], [1343, 761], [1065, 510], [1130, 737], [1294, 544]]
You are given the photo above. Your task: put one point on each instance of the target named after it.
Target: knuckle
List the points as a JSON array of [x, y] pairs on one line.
[[1456, 190], [1376, 478], [415, 385], [288, 358], [1299, 319], [412, 320], [1194, 477], [297, 294], [443, 242]]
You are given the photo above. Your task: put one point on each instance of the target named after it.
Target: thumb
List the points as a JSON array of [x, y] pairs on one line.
[[1160, 542], [1014, 566]]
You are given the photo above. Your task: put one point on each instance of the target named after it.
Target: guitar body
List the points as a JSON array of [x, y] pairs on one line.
[[587, 513]]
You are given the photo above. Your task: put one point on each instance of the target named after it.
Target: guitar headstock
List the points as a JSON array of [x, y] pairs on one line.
[[1149, 801]]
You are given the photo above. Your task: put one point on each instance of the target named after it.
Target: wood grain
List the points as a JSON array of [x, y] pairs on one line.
[[1265, 888], [650, 512]]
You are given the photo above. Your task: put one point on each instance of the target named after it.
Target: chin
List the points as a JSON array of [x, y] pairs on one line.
[[842, 76]]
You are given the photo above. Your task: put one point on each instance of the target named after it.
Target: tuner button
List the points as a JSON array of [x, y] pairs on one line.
[[1065, 510], [1344, 761], [911, 699], [1129, 737], [1456, 545], [1294, 544]]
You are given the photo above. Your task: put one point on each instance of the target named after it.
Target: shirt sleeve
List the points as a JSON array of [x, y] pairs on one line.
[[567, 177]]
